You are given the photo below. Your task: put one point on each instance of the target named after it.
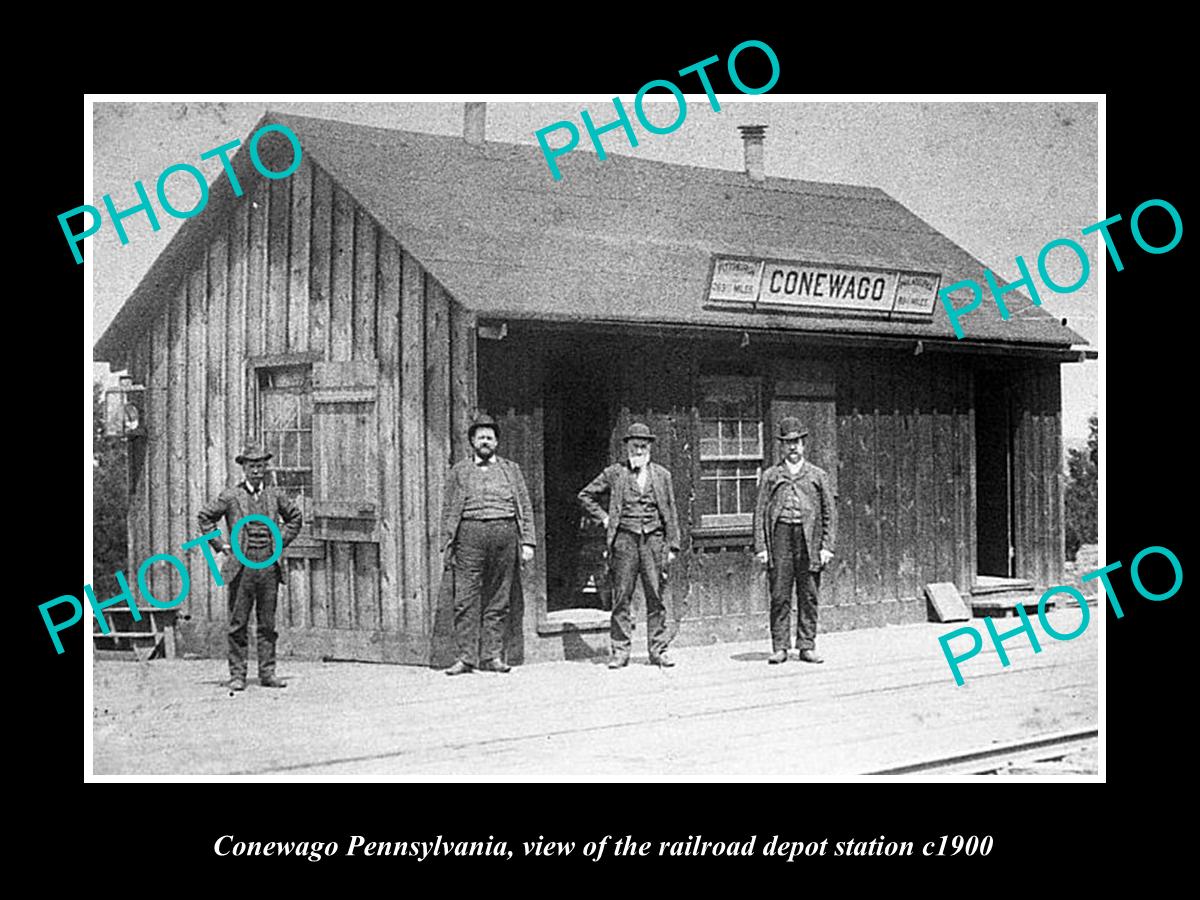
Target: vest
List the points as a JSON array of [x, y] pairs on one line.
[[639, 509], [796, 509]]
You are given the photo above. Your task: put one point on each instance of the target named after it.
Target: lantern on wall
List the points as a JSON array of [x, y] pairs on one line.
[[124, 410]]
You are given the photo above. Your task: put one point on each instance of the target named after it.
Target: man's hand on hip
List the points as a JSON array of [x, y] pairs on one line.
[[826, 556], [526, 553]]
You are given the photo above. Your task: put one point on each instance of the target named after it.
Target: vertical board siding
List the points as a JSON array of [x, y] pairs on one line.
[[888, 421], [342, 278], [844, 571], [299, 571], [236, 422], [906, 456], [387, 330], [437, 421], [363, 325], [216, 375], [320, 318], [462, 385], [320, 263], [926, 494], [417, 611], [177, 445], [196, 400], [158, 395], [965, 480], [862, 444], [138, 521], [279, 216], [297, 266], [256, 268], [368, 612], [1037, 466], [340, 598], [300, 232], [907, 584]]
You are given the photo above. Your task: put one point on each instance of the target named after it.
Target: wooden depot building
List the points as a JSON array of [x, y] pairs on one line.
[[356, 314]]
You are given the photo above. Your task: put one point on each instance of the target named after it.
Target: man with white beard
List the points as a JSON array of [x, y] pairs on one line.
[[642, 531]]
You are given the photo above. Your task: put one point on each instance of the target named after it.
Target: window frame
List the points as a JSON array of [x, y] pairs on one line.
[[739, 524], [306, 545]]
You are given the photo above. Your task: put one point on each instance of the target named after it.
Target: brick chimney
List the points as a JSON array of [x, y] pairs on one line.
[[474, 122], [752, 141]]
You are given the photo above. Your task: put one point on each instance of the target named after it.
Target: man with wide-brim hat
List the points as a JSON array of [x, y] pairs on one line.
[[642, 532], [487, 523], [252, 586], [795, 524]]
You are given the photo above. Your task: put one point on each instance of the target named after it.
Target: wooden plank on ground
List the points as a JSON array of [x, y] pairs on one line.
[[948, 605]]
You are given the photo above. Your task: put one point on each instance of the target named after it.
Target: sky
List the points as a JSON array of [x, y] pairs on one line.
[[999, 179]]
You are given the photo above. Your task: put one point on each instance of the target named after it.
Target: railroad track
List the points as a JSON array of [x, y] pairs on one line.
[[998, 757]]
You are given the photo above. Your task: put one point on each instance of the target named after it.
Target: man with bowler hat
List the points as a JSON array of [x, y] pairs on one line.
[[252, 587], [487, 521], [795, 523], [642, 531]]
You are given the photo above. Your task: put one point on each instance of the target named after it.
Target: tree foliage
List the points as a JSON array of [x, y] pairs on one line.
[[110, 502], [1082, 494]]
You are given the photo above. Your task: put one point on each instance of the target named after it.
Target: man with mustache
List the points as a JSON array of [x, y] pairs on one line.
[[252, 588], [642, 531], [487, 522], [795, 522]]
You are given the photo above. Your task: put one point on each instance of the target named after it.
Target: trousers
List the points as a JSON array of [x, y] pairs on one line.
[[634, 554], [485, 563], [790, 565], [257, 589]]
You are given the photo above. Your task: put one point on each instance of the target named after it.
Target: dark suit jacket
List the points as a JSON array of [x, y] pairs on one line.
[[819, 533], [455, 496], [232, 504], [618, 478]]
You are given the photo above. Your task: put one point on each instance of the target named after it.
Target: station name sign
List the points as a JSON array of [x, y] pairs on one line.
[[772, 285]]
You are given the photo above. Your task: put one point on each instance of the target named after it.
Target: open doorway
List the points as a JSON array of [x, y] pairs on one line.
[[993, 477], [579, 419]]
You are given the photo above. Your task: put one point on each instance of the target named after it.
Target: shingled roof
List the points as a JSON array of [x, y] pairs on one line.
[[620, 240]]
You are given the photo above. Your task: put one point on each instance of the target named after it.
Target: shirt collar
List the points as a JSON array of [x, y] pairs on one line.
[[484, 464], [251, 491], [799, 467]]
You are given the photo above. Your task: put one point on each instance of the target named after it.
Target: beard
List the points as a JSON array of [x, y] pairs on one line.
[[485, 452], [638, 460]]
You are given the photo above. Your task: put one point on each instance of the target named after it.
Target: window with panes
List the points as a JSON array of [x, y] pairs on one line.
[[285, 415], [731, 450]]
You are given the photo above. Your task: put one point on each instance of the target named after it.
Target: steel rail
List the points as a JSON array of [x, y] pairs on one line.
[[996, 757]]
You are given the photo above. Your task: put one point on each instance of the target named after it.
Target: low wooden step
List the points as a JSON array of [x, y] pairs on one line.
[[1000, 606], [992, 584]]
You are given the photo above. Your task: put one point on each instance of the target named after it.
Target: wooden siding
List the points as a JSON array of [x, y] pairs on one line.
[[1038, 517], [906, 493], [295, 266]]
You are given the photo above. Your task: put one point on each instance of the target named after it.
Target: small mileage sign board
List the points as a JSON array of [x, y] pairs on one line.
[[773, 285], [735, 280]]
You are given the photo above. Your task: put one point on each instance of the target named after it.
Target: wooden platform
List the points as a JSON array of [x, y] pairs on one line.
[[884, 697]]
